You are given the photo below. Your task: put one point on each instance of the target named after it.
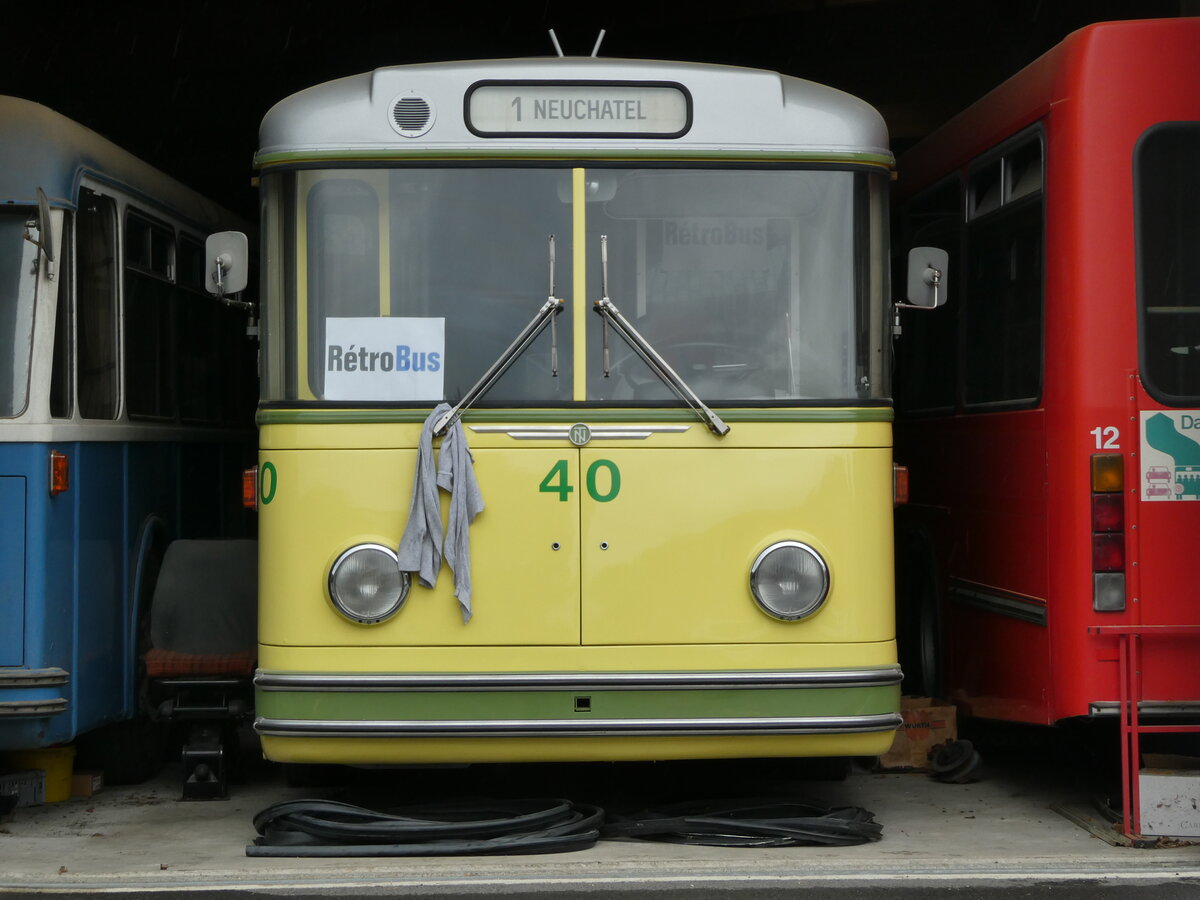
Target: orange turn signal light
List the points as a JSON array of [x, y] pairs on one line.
[[250, 488], [1108, 472], [60, 473]]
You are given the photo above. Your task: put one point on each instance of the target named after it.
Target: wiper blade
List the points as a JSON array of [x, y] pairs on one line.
[[658, 365], [544, 316], [643, 348]]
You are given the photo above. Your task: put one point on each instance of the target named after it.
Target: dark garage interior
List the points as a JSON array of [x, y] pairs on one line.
[[184, 86]]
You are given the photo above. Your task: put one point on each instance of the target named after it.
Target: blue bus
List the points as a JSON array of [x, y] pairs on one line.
[[126, 417]]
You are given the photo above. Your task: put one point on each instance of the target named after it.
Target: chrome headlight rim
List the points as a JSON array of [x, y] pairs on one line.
[[339, 603], [814, 606]]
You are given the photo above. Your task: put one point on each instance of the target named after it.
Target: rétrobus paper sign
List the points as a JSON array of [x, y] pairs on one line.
[[384, 358], [578, 108]]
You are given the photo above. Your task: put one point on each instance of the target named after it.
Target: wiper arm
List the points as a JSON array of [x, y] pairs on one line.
[[544, 316], [642, 347]]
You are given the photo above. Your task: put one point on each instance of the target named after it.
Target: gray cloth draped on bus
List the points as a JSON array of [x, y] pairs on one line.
[[421, 547]]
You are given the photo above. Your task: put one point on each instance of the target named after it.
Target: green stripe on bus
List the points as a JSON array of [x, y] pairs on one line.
[[294, 157], [539, 416], [633, 704]]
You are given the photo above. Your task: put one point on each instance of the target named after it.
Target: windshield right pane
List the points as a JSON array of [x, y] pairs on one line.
[[747, 282], [1168, 242]]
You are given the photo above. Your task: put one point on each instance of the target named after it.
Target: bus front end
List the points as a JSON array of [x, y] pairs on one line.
[[657, 318]]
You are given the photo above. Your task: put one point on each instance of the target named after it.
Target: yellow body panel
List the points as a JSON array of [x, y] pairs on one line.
[[525, 592], [668, 559], [689, 516]]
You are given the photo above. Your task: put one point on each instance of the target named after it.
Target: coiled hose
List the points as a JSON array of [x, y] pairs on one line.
[[330, 828], [334, 829], [749, 823]]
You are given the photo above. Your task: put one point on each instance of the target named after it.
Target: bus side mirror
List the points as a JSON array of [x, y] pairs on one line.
[[46, 238], [926, 278], [228, 255], [45, 225]]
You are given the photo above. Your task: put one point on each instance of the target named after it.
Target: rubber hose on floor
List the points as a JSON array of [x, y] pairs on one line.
[[330, 828], [748, 824]]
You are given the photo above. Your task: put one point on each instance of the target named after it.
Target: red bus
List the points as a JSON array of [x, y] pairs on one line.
[[1049, 414]]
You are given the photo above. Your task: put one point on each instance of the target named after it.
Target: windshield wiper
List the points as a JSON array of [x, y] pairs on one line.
[[642, 347], [547, 315]]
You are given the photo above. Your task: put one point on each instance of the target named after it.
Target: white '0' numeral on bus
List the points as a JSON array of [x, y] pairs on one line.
[[1107, 438]]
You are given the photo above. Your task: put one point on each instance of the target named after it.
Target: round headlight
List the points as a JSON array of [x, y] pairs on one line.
[[789, 580], [366, 584]]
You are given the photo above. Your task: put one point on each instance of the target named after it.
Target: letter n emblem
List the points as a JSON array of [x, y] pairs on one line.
[[579, 434]]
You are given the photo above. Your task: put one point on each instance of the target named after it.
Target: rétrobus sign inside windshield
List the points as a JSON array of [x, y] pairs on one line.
[[591, 108]]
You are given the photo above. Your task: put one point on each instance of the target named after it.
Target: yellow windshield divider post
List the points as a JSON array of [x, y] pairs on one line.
[[579, 282], [301, 238]]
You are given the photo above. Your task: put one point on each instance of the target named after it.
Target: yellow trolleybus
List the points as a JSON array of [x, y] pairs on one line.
[[651, 299]]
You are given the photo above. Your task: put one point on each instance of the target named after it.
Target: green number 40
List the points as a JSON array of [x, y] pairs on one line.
[[558, 481]]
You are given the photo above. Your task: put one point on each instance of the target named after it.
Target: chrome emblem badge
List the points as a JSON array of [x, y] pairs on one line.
[[579, 434]]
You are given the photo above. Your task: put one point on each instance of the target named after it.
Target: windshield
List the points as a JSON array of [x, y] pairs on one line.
[[16, 313], [404, 285]]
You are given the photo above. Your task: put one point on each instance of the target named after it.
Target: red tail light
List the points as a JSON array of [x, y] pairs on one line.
[[899, 484], [1108, 553], [1108, 512], [1108, 532]]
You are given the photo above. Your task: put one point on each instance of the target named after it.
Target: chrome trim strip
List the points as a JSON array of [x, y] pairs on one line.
[[20, 678], [1107, 708], [19, 431], [563, 432], [883, 676], [577, 727], [16, 709], [1001, 603], [199, 681], [278, 414]]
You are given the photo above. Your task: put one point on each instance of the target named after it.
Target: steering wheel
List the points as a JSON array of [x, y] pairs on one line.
[[692, 358], [711, 368]]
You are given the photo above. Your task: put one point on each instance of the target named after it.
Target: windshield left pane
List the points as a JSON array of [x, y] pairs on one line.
[[414, 280], [16, 314]]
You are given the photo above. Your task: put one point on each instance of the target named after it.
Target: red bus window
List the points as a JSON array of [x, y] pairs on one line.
[[1168, 228]]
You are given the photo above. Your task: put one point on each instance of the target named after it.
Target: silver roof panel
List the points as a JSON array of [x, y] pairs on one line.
[[735, 111]]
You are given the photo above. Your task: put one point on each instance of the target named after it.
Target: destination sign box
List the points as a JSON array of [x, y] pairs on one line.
[[592, 109]]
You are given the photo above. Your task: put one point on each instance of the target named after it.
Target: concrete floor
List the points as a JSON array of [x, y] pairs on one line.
[[999, 831]]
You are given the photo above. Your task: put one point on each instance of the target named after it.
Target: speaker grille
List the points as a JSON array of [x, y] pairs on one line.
[[412, 115]]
